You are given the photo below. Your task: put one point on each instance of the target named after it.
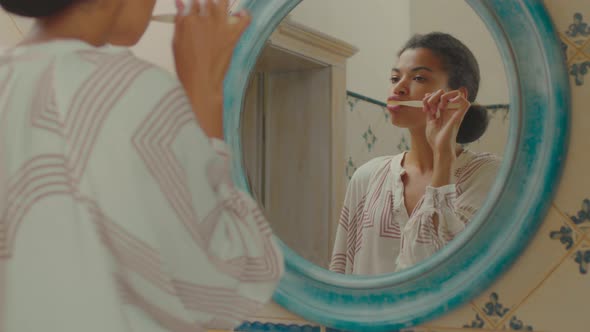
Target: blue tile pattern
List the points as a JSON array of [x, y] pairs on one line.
[[275, 327], [576, 44], [494, 309]]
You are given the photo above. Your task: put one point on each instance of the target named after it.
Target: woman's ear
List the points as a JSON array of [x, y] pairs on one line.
[[464, 92]]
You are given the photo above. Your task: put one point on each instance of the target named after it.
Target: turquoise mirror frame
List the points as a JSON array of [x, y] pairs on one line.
[[517, 205]]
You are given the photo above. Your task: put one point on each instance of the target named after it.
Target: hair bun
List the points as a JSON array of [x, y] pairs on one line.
[[474, 124], [35, 8]]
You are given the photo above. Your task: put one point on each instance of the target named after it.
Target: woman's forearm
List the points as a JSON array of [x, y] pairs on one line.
[[208, 108], [443, 167]]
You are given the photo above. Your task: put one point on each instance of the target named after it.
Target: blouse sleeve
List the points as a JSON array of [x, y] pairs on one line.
[[230, 247], [339, 262], [350, 216], [454, 205], [127, 216], [219, 263]]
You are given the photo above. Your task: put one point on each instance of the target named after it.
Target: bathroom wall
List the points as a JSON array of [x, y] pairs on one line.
[[458, 19], [369, 130], [548, 288], [369, 70]]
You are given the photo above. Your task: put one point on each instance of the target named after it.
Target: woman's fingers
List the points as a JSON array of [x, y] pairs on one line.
[[434, 99], [446, 98], [431, 102], [199, 7], [244, 20], [219, 8], [180, 7]]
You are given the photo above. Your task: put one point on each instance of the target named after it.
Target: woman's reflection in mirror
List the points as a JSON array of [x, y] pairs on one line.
[[401, 209]]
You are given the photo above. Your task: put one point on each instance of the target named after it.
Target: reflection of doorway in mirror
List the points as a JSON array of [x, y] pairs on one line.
[[292, 129]]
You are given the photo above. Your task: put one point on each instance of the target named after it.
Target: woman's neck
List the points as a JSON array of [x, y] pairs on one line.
[[421, 156], [91, 27]]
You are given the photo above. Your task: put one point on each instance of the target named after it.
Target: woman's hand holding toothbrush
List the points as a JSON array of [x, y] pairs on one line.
[[203, 45]]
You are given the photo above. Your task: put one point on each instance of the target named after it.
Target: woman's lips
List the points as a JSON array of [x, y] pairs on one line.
[[394, 108]]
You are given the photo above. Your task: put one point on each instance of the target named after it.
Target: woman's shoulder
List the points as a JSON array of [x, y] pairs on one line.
[[113, 55], [80, 59], [482, 157], [475, 164], [379, 164]]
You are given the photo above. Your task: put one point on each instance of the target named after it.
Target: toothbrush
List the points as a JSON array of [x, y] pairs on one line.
[[171, 18], [419, 104], [185, 6]]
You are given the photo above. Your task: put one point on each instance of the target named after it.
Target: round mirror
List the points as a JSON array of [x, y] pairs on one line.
[[302, 89], [296, 125]]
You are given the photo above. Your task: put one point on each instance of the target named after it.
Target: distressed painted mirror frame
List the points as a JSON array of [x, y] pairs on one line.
[[517, 204]]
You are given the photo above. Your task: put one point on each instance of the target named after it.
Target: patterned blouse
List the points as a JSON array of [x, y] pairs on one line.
[[118, 213], [376, 234]]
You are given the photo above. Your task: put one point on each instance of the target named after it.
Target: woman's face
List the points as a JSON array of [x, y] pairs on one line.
[[417, 72], [132, 21]]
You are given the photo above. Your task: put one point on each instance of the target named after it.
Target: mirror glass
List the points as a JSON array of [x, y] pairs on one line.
[[348, 182]]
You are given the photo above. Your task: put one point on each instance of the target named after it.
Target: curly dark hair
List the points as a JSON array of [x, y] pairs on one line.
[[463, 71]]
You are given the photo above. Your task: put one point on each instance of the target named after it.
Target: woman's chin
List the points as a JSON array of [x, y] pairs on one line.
[[405, 123], [399, 122]]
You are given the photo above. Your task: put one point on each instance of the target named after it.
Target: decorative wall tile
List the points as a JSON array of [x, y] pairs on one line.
[[350, 168], [548, 288], [573, 188], [328, 329], [276, 327], [577, 39], [369, 132], [497, 316], [545, 254], [465, 318], [370, 139], [561, 303], [572, 22]]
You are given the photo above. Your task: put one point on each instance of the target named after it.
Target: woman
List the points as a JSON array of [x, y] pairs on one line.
[[400, 210], [118, 212]]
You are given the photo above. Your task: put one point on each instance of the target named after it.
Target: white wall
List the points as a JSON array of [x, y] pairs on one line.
[[457, 18], [155, 46], [11, 29], [351, 21], [393, 22]]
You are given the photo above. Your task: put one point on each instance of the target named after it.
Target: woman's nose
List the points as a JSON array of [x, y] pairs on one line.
[[399, 89]]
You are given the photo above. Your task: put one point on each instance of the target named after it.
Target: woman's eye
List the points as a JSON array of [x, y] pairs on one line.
[[419, 79], [394, 79]]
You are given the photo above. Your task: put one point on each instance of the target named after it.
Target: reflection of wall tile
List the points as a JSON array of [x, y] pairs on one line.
[[370, 133]]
